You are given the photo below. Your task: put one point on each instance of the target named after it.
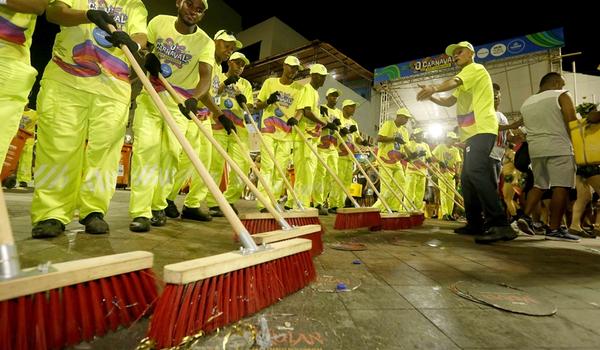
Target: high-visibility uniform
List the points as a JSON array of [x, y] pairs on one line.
[[277, 134], [28, 122], [234, 112], [391, 153], [155, 149], [16, 73], [83, 107], [201, 146], [305, 161], [345, 164], [327, 148], [450, 156], [416, 173]]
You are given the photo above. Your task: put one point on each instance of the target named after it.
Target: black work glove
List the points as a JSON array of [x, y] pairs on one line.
[[330, 126], [344, 132], [227, 124], [101, 19], [337, 122], [324, 111], [231, 80], [152, 64], [292, 121], [118, 38], [421, 154], [399, 140], [443, 165], [191, 105], [365, 143], [353, 128], [241, 99], [273, 98]]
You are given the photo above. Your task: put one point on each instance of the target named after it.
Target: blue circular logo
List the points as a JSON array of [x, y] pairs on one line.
[[166, 70], [228, 103], [279, 113], [100, 37], [516, 46]]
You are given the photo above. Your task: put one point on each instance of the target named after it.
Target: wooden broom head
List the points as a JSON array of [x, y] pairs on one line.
[[199, 269], [280, 235], [309, 213], [357, 210]]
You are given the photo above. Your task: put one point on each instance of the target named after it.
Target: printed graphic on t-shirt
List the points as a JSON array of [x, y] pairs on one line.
[[171, 53], [11, 32], [91, 61], [115, 11]]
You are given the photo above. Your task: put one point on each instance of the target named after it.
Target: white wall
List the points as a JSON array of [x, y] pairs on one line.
[[588, 87], [276, 37]]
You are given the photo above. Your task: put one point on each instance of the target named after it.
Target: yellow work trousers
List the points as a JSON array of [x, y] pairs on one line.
[[25, 161], [397, 172], [323, 181], [69, 173], [16, 80], [235, 186], [305, 165], [282, 149], [155, 156], [345, 169], [446, 194], [415, 187]]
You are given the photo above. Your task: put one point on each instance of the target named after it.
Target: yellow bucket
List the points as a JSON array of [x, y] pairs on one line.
[[586, 141], [356, 189]]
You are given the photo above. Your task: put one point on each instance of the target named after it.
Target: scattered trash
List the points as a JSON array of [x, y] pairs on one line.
[[263, 338], [331, 284], [71, 237], [44, 267], [504, 297], [341, 287], [357, 262], [404, 243], [351, 246], [434, 243]]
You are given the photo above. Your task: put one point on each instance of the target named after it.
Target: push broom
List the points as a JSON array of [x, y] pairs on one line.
[[204, 294], [67, 303], [443, 180], [312, 232], [346, 218], [417, 217], [389, 220], [262, 222]]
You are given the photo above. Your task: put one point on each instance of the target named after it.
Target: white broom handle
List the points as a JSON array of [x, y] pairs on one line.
[[234, 221], [326, 166], [6, 236], [362, 171], [439, 175], [387, 171], [283, 175], [227, 158]]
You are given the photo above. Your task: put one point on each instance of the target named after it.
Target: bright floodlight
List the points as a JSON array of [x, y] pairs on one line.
[[435, 131]]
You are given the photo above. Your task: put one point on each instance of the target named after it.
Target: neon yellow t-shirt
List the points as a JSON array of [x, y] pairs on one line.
[[475, 102], [350, 139], [415, 147], [328, 141], [28, 120], [448, 155], [16, 30], [179, 53], [309, 97], [231, 108], [81, 63], [274, 119], [392, 152]]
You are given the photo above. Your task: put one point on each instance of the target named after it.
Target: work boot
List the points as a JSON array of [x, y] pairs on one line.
[[158, 218], [332, 210], [216, 212], [47, 229], [497, 233], [195, 214], [322, 211], [140, 224], [171, 210], [468, 230], [94, 223]]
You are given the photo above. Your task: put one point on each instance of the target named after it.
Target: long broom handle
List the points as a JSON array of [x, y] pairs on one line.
[[234, 221], [283, 175], [437, 186], [387, 185], [6, 236], [9, 257], [439, 175], [324, 163], [175, 95], [362, 171], [394, 180]]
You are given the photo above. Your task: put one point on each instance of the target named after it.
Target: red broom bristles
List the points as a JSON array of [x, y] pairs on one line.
[[356, 220], [255, 226], [66, 316], [214, 302]]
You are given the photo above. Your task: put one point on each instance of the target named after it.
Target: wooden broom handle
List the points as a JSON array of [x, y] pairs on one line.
[[362, 171], [178, 99], [326, 166], [283, 175], [6, 236], [437, 186], [387, 171], [439, 175], [234, 221], [387, 185]]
